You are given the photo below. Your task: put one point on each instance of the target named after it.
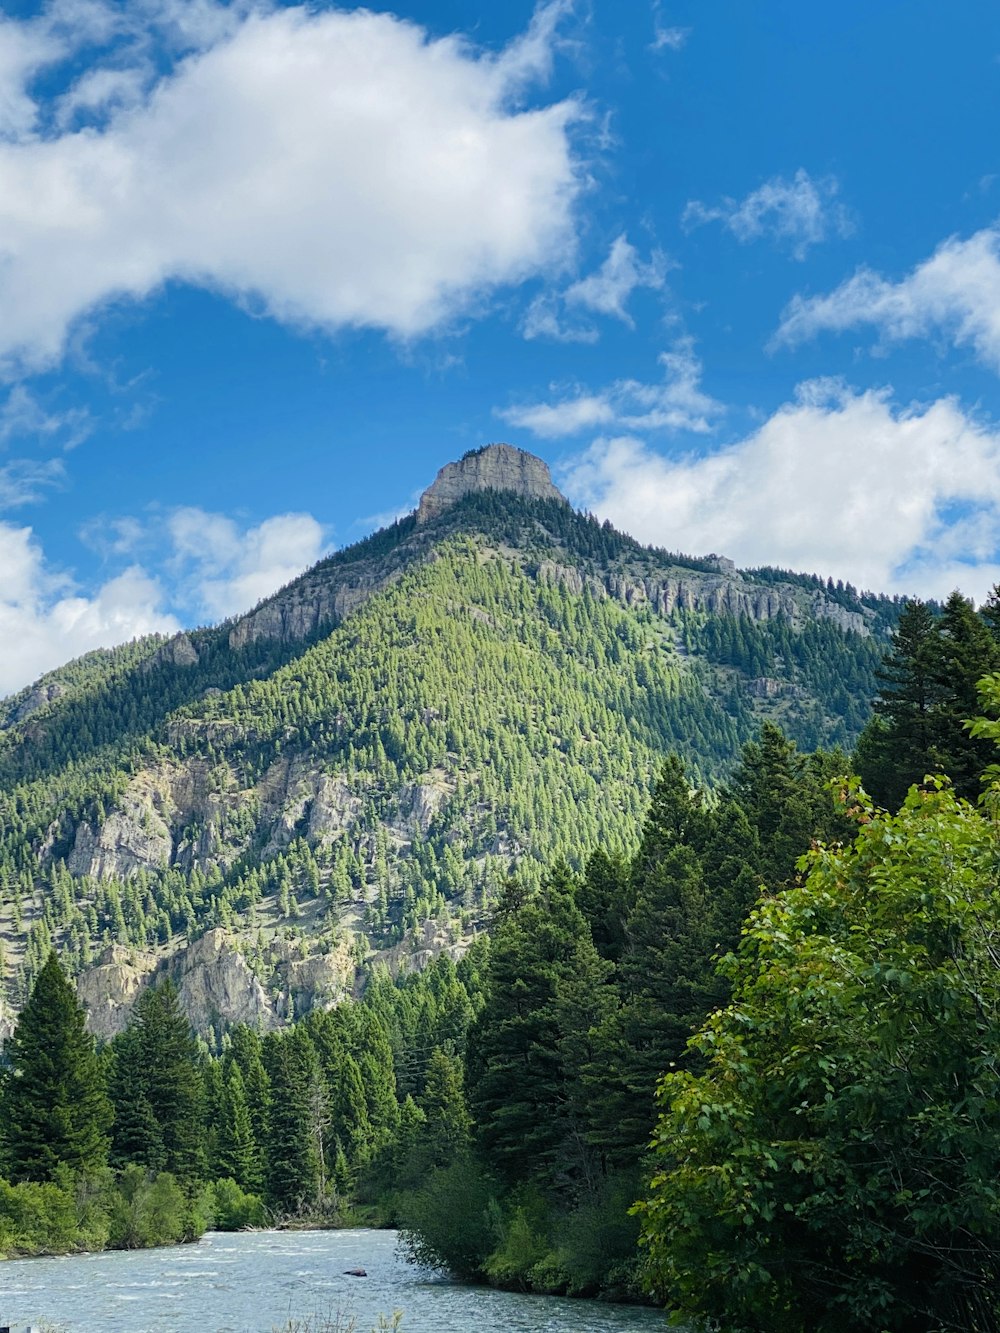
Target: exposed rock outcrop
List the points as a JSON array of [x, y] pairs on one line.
[[216, 986], [130, 839], [178, 651], [498, 467], [110, 988], [429, 942], [38, 696]]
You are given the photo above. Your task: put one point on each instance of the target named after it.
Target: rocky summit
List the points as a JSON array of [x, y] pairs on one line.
[[344, 777], [498, 467]]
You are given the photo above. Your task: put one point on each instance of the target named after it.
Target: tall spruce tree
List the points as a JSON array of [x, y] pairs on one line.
[[156, 1062], [56, 1113], [967, 652], [295, 1170], [238, 1151], [519, 1083]]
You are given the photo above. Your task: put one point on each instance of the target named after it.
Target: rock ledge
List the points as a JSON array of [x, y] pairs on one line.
[[498, 467]]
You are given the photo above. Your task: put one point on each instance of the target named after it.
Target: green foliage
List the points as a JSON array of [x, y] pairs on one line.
[[146, 1209], [157, 1089], [54, 1114], [836, 1164], [233, 1209], [520, 1070], [452, 1222], [298, 1118], [928, 691]]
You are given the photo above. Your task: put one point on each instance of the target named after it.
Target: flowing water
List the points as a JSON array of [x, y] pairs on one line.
[[256, 1282]]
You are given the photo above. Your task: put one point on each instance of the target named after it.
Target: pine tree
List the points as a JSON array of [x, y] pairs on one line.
[[448, 1125], [895, 748], [520, 1089], [55, 1110]]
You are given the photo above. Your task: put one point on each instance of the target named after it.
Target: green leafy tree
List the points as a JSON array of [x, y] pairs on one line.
[[55, 1112], [837, 1163]]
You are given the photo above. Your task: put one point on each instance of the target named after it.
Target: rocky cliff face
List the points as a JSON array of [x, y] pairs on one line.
[[215, 984], [498, 467]]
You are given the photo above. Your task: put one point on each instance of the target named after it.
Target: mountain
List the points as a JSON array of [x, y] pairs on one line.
[[350, 770]]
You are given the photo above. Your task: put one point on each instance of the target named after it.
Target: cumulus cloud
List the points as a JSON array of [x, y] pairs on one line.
[[44, 623], [955, 293], [837, 482], [222, 570], [328, 168], [798, 213], [677, 403]]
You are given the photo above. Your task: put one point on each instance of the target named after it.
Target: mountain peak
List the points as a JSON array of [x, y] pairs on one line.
[[497, 467]]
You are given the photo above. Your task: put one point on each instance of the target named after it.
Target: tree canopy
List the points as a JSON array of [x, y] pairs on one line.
[[837, 1163]]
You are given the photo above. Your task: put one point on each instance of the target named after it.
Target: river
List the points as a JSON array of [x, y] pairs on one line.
[[255, 1282]]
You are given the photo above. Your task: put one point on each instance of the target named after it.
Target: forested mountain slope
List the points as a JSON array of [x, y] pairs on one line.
[[361, 761]]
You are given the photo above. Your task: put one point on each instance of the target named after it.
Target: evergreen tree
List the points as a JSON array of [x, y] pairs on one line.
[[56, 1114], [238, 1153], [447, 1123], [294, 1166], [520, 1087], [157, 1062], [967, 652]]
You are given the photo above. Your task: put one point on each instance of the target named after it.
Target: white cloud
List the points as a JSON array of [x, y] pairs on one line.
[[205, 567], [25, 48], [544, 319], [678, 403], [838, 483], [607, 291], [223, 570], [955, 292], [604, 292], [23, 480], [669, 39], [799, 212], [42, 622], [329, 168], [666, 37], [22, 414]]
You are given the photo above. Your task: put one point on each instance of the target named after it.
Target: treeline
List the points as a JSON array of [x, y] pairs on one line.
[[826, 1148], [152, 1138], [552, 755]]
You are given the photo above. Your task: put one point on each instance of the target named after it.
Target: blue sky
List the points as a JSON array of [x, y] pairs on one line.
[[732, 269]]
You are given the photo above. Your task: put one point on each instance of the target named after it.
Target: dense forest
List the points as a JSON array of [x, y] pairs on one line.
[[716, 1033], [500, 701]]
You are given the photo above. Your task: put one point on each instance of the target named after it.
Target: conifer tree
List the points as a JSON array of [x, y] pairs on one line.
[[238, 1153], [294, 1168], [520, 1087], [448, 1124], [157, 1058], [55, 1110]]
